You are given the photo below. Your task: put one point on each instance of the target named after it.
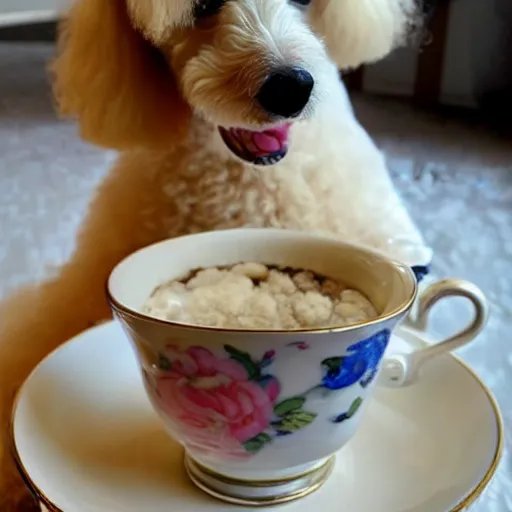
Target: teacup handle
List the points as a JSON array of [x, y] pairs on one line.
[[403, 369]]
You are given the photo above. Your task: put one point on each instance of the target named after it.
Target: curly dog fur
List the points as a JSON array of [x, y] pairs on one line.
[[152, 80]]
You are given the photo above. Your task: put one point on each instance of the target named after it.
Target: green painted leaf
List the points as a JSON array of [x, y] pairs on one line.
[[164, 363], [244, 359], [288, 405], [255, 444], [234, 352], [293, 421], [354, 407], [333, 363]]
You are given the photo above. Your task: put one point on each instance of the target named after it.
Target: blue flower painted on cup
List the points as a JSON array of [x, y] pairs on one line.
[[359, 364]]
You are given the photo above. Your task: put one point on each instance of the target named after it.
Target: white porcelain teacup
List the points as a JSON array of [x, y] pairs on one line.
[[261, 413]]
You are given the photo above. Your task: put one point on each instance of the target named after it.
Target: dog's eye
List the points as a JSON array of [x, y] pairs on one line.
[[302, 3], [206, 8]]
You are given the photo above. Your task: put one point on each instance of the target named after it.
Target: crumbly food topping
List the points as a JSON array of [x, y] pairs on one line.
[[258, 297]]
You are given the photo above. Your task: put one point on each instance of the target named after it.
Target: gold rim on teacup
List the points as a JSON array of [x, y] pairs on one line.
[[300, 238], [121, 309]]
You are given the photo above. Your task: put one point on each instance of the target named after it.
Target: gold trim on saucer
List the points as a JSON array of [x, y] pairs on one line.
[[32, 487], [482, 485], [469, 500]]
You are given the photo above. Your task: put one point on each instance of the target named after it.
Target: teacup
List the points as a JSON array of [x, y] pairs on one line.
[[262, 413]]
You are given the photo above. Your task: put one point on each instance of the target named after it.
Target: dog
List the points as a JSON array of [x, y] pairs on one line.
[[226, 114]]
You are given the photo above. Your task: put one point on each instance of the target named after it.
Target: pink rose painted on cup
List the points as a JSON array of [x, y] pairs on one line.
[[219, 406], [228, 406]]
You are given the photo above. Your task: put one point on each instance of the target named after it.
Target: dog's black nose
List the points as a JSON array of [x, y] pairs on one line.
[[286, 92]]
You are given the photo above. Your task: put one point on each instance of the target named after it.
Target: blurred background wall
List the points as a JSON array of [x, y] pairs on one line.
[[464, 59]]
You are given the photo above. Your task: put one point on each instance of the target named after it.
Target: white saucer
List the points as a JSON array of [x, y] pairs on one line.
[[86, 439]]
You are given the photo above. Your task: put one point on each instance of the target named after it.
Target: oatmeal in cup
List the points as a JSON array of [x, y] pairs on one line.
[[257, 296], [259, 349]]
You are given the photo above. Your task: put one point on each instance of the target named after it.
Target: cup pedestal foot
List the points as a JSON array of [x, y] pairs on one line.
[[258, 493]]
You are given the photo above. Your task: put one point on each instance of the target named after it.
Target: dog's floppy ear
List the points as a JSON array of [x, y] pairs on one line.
[[362, 31], [114, 81]]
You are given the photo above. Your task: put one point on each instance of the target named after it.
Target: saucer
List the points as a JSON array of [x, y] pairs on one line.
[[87, 439]]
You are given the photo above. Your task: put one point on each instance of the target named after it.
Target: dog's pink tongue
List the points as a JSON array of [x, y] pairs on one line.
[[271, 141], [266, 142]]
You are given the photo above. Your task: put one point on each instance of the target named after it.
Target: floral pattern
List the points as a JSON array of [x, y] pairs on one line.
[[219, 404], [229, 405], [359, 364]]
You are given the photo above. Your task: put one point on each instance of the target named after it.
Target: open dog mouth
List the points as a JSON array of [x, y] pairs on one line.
[[266, 147]]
